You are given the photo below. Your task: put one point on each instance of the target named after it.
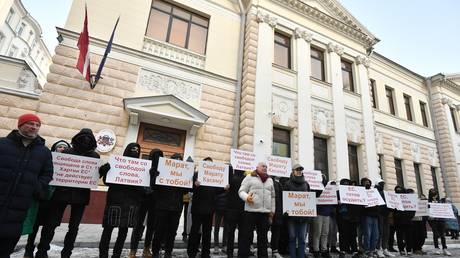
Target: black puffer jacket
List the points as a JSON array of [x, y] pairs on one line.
[[83, 144], [234, 202], [278, 218], [24, 171], [297, 184], [203, 199]]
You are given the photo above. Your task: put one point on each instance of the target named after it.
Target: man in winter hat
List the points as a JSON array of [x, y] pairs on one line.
[[26, 168]]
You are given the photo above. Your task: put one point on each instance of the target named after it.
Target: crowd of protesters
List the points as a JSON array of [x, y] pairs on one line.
[[251, 204]]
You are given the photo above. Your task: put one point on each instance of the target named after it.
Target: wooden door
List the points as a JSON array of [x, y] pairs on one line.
[[169, 140]]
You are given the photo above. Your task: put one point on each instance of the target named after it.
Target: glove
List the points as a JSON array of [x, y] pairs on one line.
[[154, 172], [104, 169], [250, 199]]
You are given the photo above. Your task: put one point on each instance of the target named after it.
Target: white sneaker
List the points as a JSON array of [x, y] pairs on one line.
[[380, 253], [445, 252], [277, 255], [387, 253], [437, 251]]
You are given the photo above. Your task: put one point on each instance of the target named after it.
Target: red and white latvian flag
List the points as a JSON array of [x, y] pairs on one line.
[[83, 64]]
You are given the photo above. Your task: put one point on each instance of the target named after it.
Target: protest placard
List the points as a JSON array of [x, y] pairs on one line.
[[328, 196], [279, 166], [422, 208], [314, 179], [353, 195], [75, 171], [129, 171], [409, 201], [213, 174], [393, 200], [175, 173], [374, 198], [243, 160], [299, 204], [440, 210]]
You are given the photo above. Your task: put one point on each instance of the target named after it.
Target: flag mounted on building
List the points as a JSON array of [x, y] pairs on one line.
[[104, 58], [83, 63]]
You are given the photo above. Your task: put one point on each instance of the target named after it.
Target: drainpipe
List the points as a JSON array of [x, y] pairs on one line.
[[239, 75], [436, 133]]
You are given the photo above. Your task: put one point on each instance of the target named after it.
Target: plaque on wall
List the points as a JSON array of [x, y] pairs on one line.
[[106, 140]]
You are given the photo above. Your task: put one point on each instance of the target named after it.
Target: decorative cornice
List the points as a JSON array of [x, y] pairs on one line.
[[364, 60], [347, 28], [267, 18], [446, 101], [299, 33], [331, 47]]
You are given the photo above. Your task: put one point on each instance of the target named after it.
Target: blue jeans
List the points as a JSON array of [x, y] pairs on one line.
[[370, 227], [297, 238]]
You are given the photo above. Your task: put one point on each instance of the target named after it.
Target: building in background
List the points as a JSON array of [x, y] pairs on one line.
[[276, 77]]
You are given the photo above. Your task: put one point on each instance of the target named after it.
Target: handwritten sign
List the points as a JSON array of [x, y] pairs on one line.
[[299, 204], [422, 208], [328, 196], [175, 173], [314, 179], [243, 160], [279, 166], [213, 174], [75, 171], [374, 198], [441, 210], [129, 171], [356, 195], [393, 200], [409, 201]]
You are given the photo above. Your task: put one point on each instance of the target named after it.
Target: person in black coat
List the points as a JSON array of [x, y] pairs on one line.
[[277, 221], [26, 168], [83, 144], [403, 225], [369, 223], [235, 209], [347, 223], [121, 208]]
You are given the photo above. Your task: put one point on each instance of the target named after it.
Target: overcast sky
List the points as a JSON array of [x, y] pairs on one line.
[[422, 35]]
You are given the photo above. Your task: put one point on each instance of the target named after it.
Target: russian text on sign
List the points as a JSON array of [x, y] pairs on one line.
[[279, 166], [299, 204], [213, 174], [75, 171], [243, 160], [129, 171], [175, 173], [356, 195]]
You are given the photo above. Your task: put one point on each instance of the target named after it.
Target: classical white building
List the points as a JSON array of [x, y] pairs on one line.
[[21, 38], [291, 78]]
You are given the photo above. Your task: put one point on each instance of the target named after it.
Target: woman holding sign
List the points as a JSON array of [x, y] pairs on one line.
[[437, 225], [121, 209]]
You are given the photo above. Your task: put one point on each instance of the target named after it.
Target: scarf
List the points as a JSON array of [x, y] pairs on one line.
[[263, 177]]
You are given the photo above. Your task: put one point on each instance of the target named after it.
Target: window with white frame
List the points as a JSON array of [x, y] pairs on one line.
[[21, 28], [31, 35], [10, 16], [13, 51]]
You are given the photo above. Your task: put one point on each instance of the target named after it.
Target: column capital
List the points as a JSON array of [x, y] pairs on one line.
[[364, 60], [331, 47], [267, 18], [305, 35], [446, 101]]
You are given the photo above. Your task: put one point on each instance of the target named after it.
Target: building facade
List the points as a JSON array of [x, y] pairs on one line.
[[291, 78]]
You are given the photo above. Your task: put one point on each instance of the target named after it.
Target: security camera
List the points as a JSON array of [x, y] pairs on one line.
[[261, 141]]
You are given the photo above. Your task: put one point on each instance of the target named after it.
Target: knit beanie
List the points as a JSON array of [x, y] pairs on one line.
[[27, 118]]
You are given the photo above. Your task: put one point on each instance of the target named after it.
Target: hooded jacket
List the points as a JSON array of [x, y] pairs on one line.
[[402, 217], [60, 142], [263, 193], [83, 144], [369, 211], [24, 172]]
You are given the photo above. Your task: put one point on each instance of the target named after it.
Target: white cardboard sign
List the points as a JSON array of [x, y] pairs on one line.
[[243, 160], [422, 208], [129, 171], [393, 200], [299, 204], [441, 210], [356, 195], [374, 198], [175, 173], [314, 179], [213, 174], [75, 171], [279, 166], [409, 201], [328, 196]]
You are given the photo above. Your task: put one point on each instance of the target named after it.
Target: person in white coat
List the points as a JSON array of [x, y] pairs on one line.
[[258, 193]]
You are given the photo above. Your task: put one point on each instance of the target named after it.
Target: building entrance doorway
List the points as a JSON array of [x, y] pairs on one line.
[[169, 140]]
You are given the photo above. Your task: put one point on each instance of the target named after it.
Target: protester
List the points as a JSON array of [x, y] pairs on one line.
[[321, 226], [147, 208], [121, 208], [26, 168], [297, 226], [369, 224], [384, 225], [403, 225], [418, 231], [220, 204], [452, 224], [258, 192], [332, 238], [235, 209], [347, 222], [42, 209], [186, 202], [437, 225], [277, 221], [83, 144]]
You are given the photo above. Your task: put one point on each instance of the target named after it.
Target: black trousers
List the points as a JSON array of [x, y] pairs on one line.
[[259, 221], [165, 231], [185, 210], [438, 227], [233, 220], [275, 237], [55, 216], [347, 235], [405, 240], [146, 209], [7, 246], [105, 242], [391, 237], [205, 222], [419, 234], [219, 219]]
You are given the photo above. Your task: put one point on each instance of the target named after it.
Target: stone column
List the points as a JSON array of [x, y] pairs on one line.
[[340, 129], [447, 103], [304, 116], [263, 86], [368, 120]]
